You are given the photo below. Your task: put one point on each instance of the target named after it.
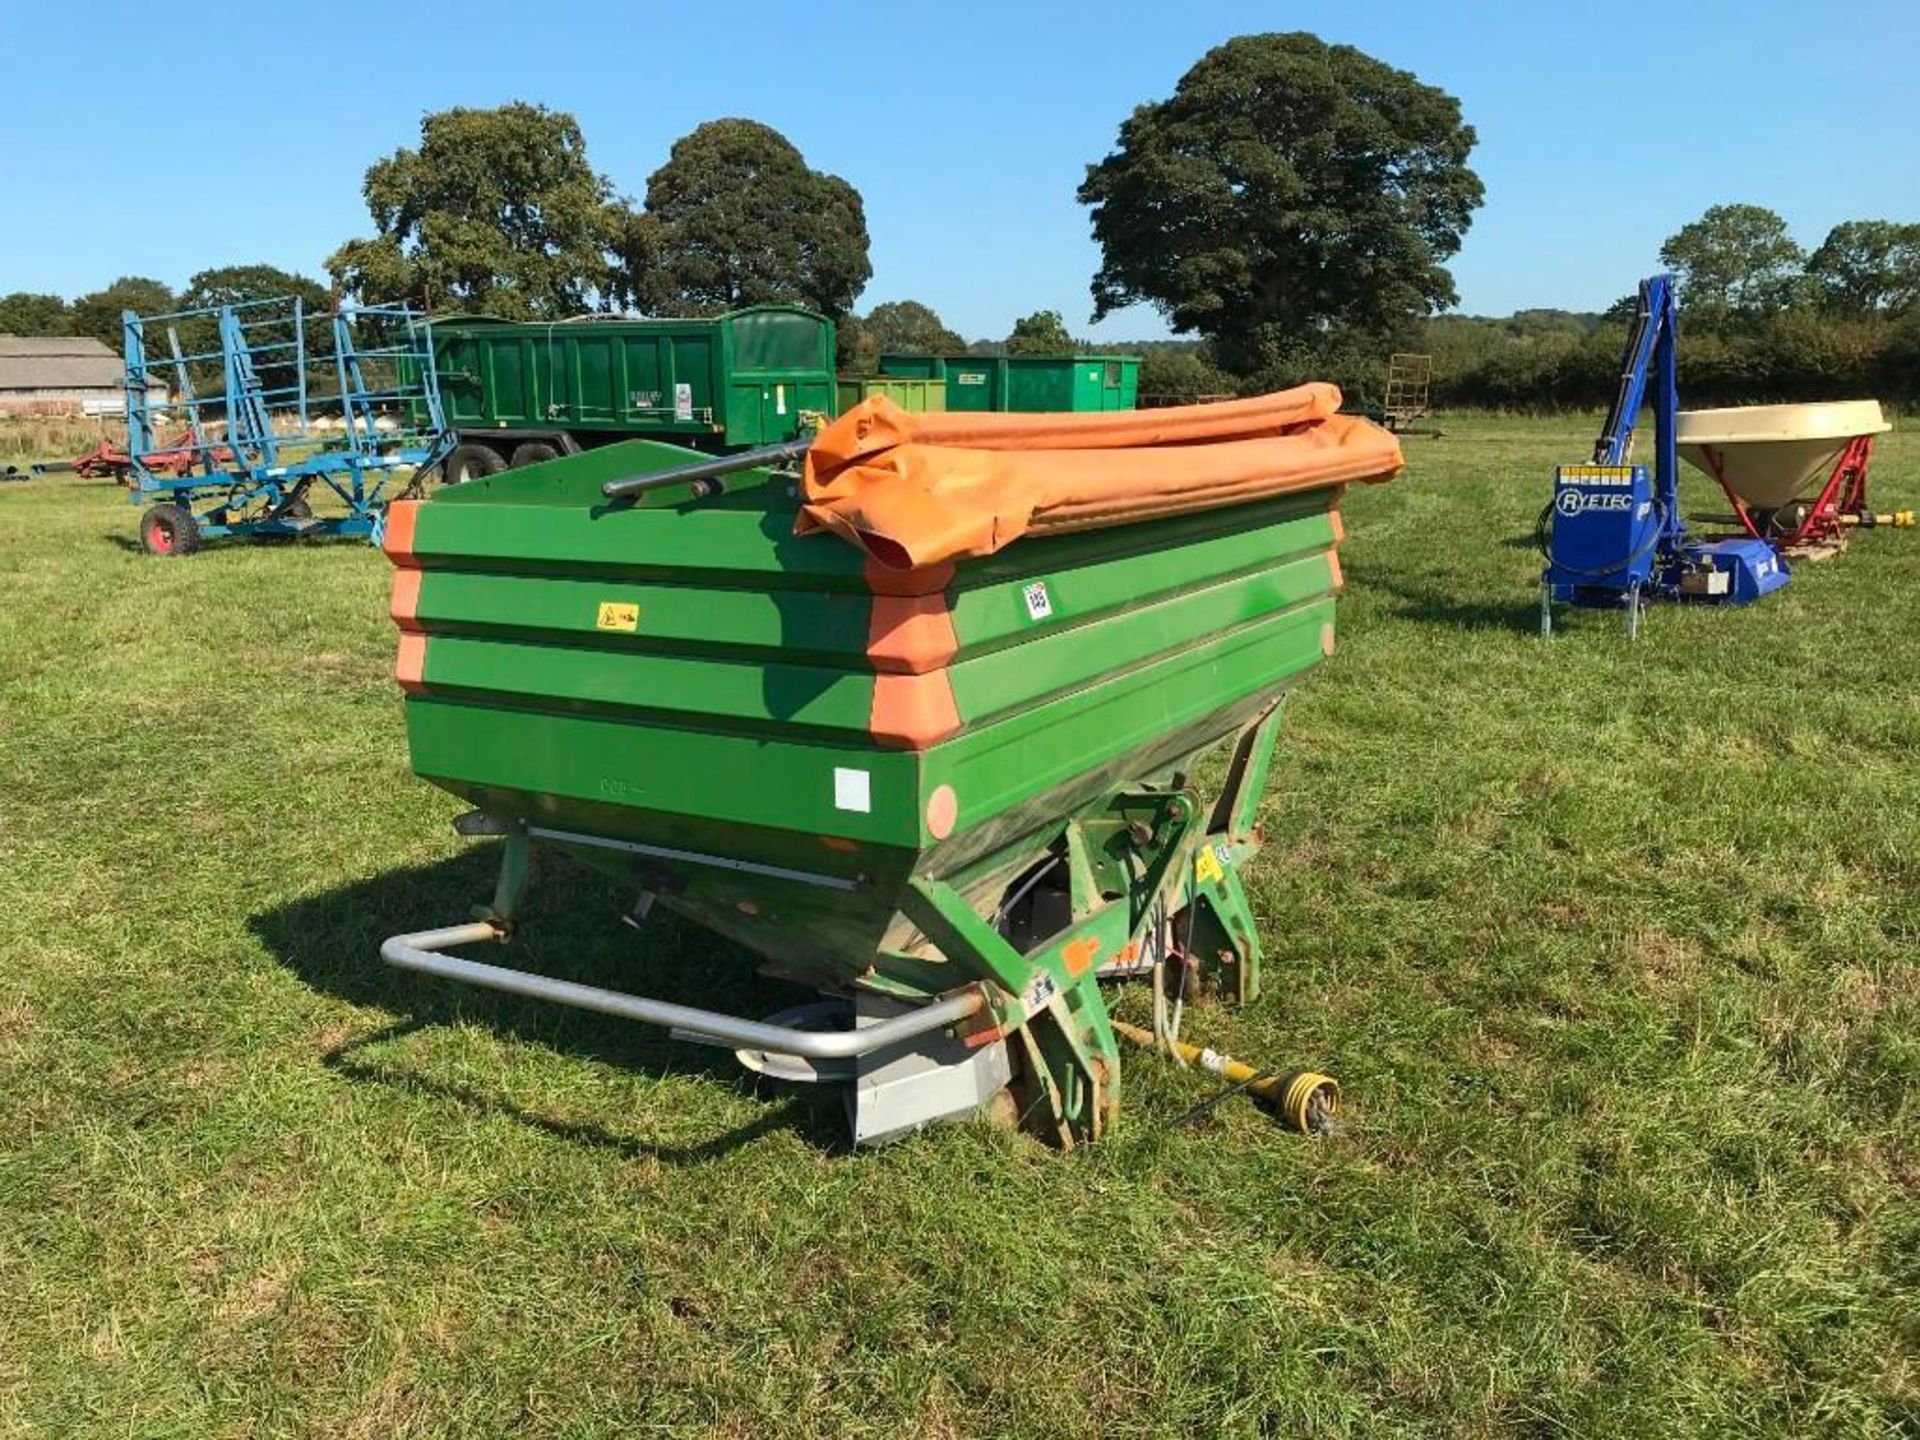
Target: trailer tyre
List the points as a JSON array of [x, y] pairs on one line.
[[169, 530], [472, 461], [533, 452]]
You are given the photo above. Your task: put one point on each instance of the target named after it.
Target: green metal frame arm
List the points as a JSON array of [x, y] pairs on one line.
[[963, 936]]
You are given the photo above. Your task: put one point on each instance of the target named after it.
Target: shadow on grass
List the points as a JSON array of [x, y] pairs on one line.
[[209, 552], [217, 546], [569, 929], [1435, 606]]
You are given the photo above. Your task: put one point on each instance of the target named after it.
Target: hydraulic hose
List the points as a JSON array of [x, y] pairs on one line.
[[1543, 542]]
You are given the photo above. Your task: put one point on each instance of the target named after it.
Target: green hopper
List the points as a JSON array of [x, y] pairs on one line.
[[956, 800]]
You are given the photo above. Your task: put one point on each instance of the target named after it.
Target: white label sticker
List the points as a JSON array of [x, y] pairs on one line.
[[1039, 603], [852, 790], [779, 399], [683, 402]]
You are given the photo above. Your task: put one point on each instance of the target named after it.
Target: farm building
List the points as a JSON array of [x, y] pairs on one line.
[[61, 375]]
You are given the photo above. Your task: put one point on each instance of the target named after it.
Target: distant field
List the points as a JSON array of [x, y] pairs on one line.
[[1612, 947]]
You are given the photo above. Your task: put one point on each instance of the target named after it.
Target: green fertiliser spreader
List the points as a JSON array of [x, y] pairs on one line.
[[913, 716]]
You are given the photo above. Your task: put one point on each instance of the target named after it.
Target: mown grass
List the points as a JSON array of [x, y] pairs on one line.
[[1611, 946]]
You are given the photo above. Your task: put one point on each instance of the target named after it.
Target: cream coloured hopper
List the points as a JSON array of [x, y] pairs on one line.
[[1770, 454]]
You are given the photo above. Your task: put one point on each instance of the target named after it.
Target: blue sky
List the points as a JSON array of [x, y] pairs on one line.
[[162, 141]]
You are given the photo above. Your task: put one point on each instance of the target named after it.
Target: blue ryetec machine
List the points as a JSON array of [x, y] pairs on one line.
[[1612, 535]]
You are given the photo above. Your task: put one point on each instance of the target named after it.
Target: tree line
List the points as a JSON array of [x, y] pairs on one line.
[[1290, 211], [1761, 320]]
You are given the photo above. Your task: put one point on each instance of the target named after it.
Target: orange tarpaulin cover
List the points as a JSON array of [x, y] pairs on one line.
[[915, 489]]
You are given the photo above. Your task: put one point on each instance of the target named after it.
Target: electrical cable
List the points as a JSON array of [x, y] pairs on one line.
[[1543, 542]]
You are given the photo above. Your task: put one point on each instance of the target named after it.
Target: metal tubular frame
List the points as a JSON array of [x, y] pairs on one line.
[[701, 473], [246, 479], [420, 952]]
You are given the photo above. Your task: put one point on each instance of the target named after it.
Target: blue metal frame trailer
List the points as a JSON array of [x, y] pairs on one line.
[[276, 401], [1612, 535]]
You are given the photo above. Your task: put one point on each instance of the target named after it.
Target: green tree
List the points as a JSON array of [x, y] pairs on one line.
[[1623, 310], [1736, 263], [1287, 187], [1042, 333], [1868, 267], [25, 313], [1526, 323], [1181, 377], [735, 217], [236, 285], [497, 211], [233, 284], [906, 327], [98, 314], [854, 350]]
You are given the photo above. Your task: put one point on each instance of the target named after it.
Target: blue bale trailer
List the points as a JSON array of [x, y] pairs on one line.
[[275, 402]]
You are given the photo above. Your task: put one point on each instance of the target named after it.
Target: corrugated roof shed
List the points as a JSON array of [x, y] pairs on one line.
[[51, 345], [57, 362]]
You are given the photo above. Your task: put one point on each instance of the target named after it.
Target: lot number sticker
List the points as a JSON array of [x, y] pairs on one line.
[[1039, 603], [852, 790]]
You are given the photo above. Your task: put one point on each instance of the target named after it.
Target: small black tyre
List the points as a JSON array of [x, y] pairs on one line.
[[533, 452], [169, 530], [472, 461]]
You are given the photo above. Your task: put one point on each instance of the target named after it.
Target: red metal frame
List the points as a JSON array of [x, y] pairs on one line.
[[1844, 494], [107, 460]]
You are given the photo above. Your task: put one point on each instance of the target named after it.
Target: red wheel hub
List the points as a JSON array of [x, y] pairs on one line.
[[159, 538]]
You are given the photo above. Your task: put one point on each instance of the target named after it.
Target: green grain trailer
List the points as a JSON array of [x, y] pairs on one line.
[[1026, 382], [908, 392], [518, 393], [959, 810]]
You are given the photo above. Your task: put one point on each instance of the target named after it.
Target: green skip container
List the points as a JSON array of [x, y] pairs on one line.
[[955, 802], [1026, 383], [911, 393]]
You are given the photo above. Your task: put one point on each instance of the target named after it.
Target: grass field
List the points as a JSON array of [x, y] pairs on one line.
[[1612, 947]]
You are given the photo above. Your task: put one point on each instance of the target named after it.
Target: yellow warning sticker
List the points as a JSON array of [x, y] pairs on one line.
[[616, 616], [1206, 866]]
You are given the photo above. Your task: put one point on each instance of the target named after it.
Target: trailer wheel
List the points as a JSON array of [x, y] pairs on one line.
[[169, 530], [473, 461], [532, 452]]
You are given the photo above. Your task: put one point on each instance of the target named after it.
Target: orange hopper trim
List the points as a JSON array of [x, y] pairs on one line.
[[410, 666], [910, 634], [910, 641], [402, 516], [404, 606], [912, 712]]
